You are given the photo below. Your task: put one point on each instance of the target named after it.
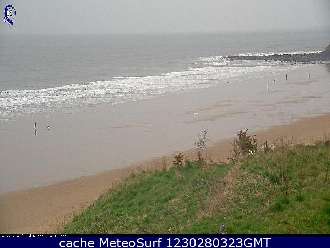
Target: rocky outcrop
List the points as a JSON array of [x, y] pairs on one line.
[[326, 53], [287, 57]]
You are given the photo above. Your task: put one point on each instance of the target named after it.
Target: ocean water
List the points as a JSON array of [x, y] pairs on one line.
[[49, 73]]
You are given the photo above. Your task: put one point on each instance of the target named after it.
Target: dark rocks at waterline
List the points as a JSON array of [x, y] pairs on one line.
[[286, 57], [326, 52]]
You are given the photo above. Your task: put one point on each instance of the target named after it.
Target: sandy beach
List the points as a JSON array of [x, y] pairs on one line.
[[45, 209]]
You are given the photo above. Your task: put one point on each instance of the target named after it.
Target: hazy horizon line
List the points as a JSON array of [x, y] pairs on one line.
[[261, 31]]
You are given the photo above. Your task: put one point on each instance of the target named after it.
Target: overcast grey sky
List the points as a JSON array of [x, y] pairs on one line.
[[165, 16]]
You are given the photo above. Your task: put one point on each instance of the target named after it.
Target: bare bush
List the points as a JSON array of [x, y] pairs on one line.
[[201, 145], [244, 145], [266, 147], [179, 159]]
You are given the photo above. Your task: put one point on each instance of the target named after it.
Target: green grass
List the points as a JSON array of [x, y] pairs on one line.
[[166, 201], [285, 191]]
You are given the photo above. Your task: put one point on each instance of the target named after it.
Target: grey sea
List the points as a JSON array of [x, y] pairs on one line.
[[44, 73], [105, 101]]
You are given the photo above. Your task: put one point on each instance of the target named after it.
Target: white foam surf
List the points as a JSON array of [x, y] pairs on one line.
[[206, 72]]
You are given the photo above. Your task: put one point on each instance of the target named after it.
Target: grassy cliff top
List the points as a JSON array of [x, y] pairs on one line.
[[282, 191]]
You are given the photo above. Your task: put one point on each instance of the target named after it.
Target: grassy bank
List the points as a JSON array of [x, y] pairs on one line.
[[285, 190]]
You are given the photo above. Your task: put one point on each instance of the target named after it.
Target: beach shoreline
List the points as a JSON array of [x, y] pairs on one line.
[[45, 209]]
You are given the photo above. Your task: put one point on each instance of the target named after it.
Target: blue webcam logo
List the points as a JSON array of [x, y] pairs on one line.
[[9, 13]]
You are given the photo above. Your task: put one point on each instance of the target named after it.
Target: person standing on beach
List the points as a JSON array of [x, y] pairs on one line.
[[35, 128], [286, 76]]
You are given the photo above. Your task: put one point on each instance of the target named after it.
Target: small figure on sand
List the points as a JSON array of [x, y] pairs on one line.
[[309, 76], [286, 76], [35, 128], [274, 81]]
